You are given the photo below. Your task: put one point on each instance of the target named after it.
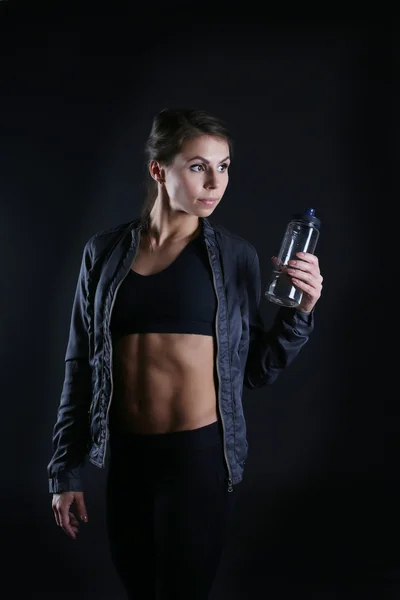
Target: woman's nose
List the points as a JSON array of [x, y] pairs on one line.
[[211, 181]]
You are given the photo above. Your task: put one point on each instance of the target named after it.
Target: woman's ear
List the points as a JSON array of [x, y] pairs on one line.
[[156, 171]]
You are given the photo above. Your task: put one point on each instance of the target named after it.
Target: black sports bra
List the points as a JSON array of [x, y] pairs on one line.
[[179, 299]]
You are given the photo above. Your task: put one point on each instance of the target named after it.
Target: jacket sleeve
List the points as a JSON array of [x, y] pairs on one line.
[[71, 430], [270, 351]]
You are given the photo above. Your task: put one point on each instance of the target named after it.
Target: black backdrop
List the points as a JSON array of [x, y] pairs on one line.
[[310, 104]]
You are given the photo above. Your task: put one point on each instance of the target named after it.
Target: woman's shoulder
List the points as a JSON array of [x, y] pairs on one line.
[[233, 242], [119, 228], [104, 236]]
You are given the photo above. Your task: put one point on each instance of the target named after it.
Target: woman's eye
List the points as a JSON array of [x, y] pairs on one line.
[[198, 168]]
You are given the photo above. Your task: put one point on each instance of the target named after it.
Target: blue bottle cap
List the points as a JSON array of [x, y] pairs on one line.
[[309, 216]]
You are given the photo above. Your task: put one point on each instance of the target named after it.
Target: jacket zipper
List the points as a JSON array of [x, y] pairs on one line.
[[230, 486], [111, 353]]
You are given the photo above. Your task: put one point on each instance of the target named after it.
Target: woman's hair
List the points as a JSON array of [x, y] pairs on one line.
[[170, 129]]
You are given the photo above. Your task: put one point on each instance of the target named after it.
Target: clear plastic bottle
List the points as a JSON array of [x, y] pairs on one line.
[[301, 235]]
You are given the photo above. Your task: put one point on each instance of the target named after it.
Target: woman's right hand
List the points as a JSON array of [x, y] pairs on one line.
[[64, 517]]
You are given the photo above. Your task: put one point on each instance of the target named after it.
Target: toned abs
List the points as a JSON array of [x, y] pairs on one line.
[[163, 382]]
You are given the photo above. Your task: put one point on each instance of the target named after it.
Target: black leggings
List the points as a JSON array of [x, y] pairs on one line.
[[168, 512]]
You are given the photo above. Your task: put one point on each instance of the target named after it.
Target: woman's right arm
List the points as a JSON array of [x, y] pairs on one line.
[[71, 429]]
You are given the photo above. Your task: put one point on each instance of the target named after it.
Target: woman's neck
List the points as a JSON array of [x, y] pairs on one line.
[[167, 227]]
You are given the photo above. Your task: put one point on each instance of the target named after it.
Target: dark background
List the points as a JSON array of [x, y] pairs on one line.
[[310, 104]]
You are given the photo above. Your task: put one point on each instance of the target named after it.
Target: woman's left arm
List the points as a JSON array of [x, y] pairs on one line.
[[272, 350]]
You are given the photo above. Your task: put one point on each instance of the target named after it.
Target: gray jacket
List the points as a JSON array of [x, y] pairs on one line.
[[247, 354]]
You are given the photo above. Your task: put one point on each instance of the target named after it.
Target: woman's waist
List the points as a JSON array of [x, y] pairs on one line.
[[160, 402]]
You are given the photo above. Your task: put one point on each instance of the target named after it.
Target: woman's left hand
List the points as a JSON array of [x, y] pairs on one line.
[[306, 277]]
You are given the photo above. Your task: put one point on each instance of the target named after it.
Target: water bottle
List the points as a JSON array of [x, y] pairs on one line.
[[301, 235]]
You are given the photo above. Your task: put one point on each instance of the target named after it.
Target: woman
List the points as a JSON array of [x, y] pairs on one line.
[[165, 331]]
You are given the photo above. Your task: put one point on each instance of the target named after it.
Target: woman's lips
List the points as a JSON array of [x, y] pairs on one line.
[[208, 201]]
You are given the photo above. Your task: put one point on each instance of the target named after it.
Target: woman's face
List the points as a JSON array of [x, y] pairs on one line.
[[197, 178]]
